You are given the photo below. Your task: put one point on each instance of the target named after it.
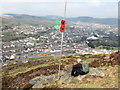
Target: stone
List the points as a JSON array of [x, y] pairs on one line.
[[39, 81], [65, 77], [93, 71], [96, 71]]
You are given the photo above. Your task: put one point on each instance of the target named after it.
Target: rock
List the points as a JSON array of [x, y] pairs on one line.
[[96, 71], [39, 81], [93, 71], [34, 80], [65, 77], [107, 57], [39, 84]]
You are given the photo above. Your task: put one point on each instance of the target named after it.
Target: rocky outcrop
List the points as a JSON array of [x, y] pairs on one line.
[[65, 77], [39, 81]]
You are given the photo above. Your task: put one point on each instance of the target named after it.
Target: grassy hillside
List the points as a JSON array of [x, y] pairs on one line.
[[108, 21], [23, 72], [22, 19], [16, 19]]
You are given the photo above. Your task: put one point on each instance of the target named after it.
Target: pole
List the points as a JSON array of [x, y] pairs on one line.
[[62, 41], [65, 9], [60, 54]]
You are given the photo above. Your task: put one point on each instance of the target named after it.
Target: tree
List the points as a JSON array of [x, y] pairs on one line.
[[90, 44]]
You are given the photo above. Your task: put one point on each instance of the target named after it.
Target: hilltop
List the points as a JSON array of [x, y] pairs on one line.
[[18, 75]]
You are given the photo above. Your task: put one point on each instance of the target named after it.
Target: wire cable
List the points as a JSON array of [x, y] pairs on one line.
[[65, 9]]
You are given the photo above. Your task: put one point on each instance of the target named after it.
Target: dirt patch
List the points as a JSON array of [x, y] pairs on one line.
[[21, 80], [29, 64], [113, 60]]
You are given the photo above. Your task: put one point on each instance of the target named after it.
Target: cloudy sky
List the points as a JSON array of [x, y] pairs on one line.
[[75, 8]]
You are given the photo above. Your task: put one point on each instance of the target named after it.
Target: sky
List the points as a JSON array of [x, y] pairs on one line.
[[75, 8]]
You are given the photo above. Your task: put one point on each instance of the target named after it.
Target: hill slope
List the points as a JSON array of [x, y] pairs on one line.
[[109, 21], [18, 19]]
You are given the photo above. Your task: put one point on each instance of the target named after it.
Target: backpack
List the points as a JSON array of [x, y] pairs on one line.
[[85, 67]]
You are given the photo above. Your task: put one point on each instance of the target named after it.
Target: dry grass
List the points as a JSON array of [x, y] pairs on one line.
[[110, 80]]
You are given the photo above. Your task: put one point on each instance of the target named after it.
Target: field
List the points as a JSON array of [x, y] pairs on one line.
[[33, 58]]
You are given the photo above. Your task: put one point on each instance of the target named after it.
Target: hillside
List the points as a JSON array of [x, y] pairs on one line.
[[108, 21], [21, 19], [18, 19], [18, 75]]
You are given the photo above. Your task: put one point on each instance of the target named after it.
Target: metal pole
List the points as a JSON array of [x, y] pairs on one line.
[[62, 42], [65, 9], [60, 54]]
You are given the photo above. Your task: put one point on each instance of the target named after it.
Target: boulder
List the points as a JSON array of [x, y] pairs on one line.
[[65, 77], [39, 81], [93, 71], [96, 71]]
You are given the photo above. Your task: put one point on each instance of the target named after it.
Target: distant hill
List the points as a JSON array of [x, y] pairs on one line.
[[54, 17], [18, 19], [109, 21], [22, 19]]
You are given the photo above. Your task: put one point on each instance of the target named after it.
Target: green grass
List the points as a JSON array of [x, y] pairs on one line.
[[109, 48], [87, 54], [114, 48], [38, 66], [90, 60], [40, 57]]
